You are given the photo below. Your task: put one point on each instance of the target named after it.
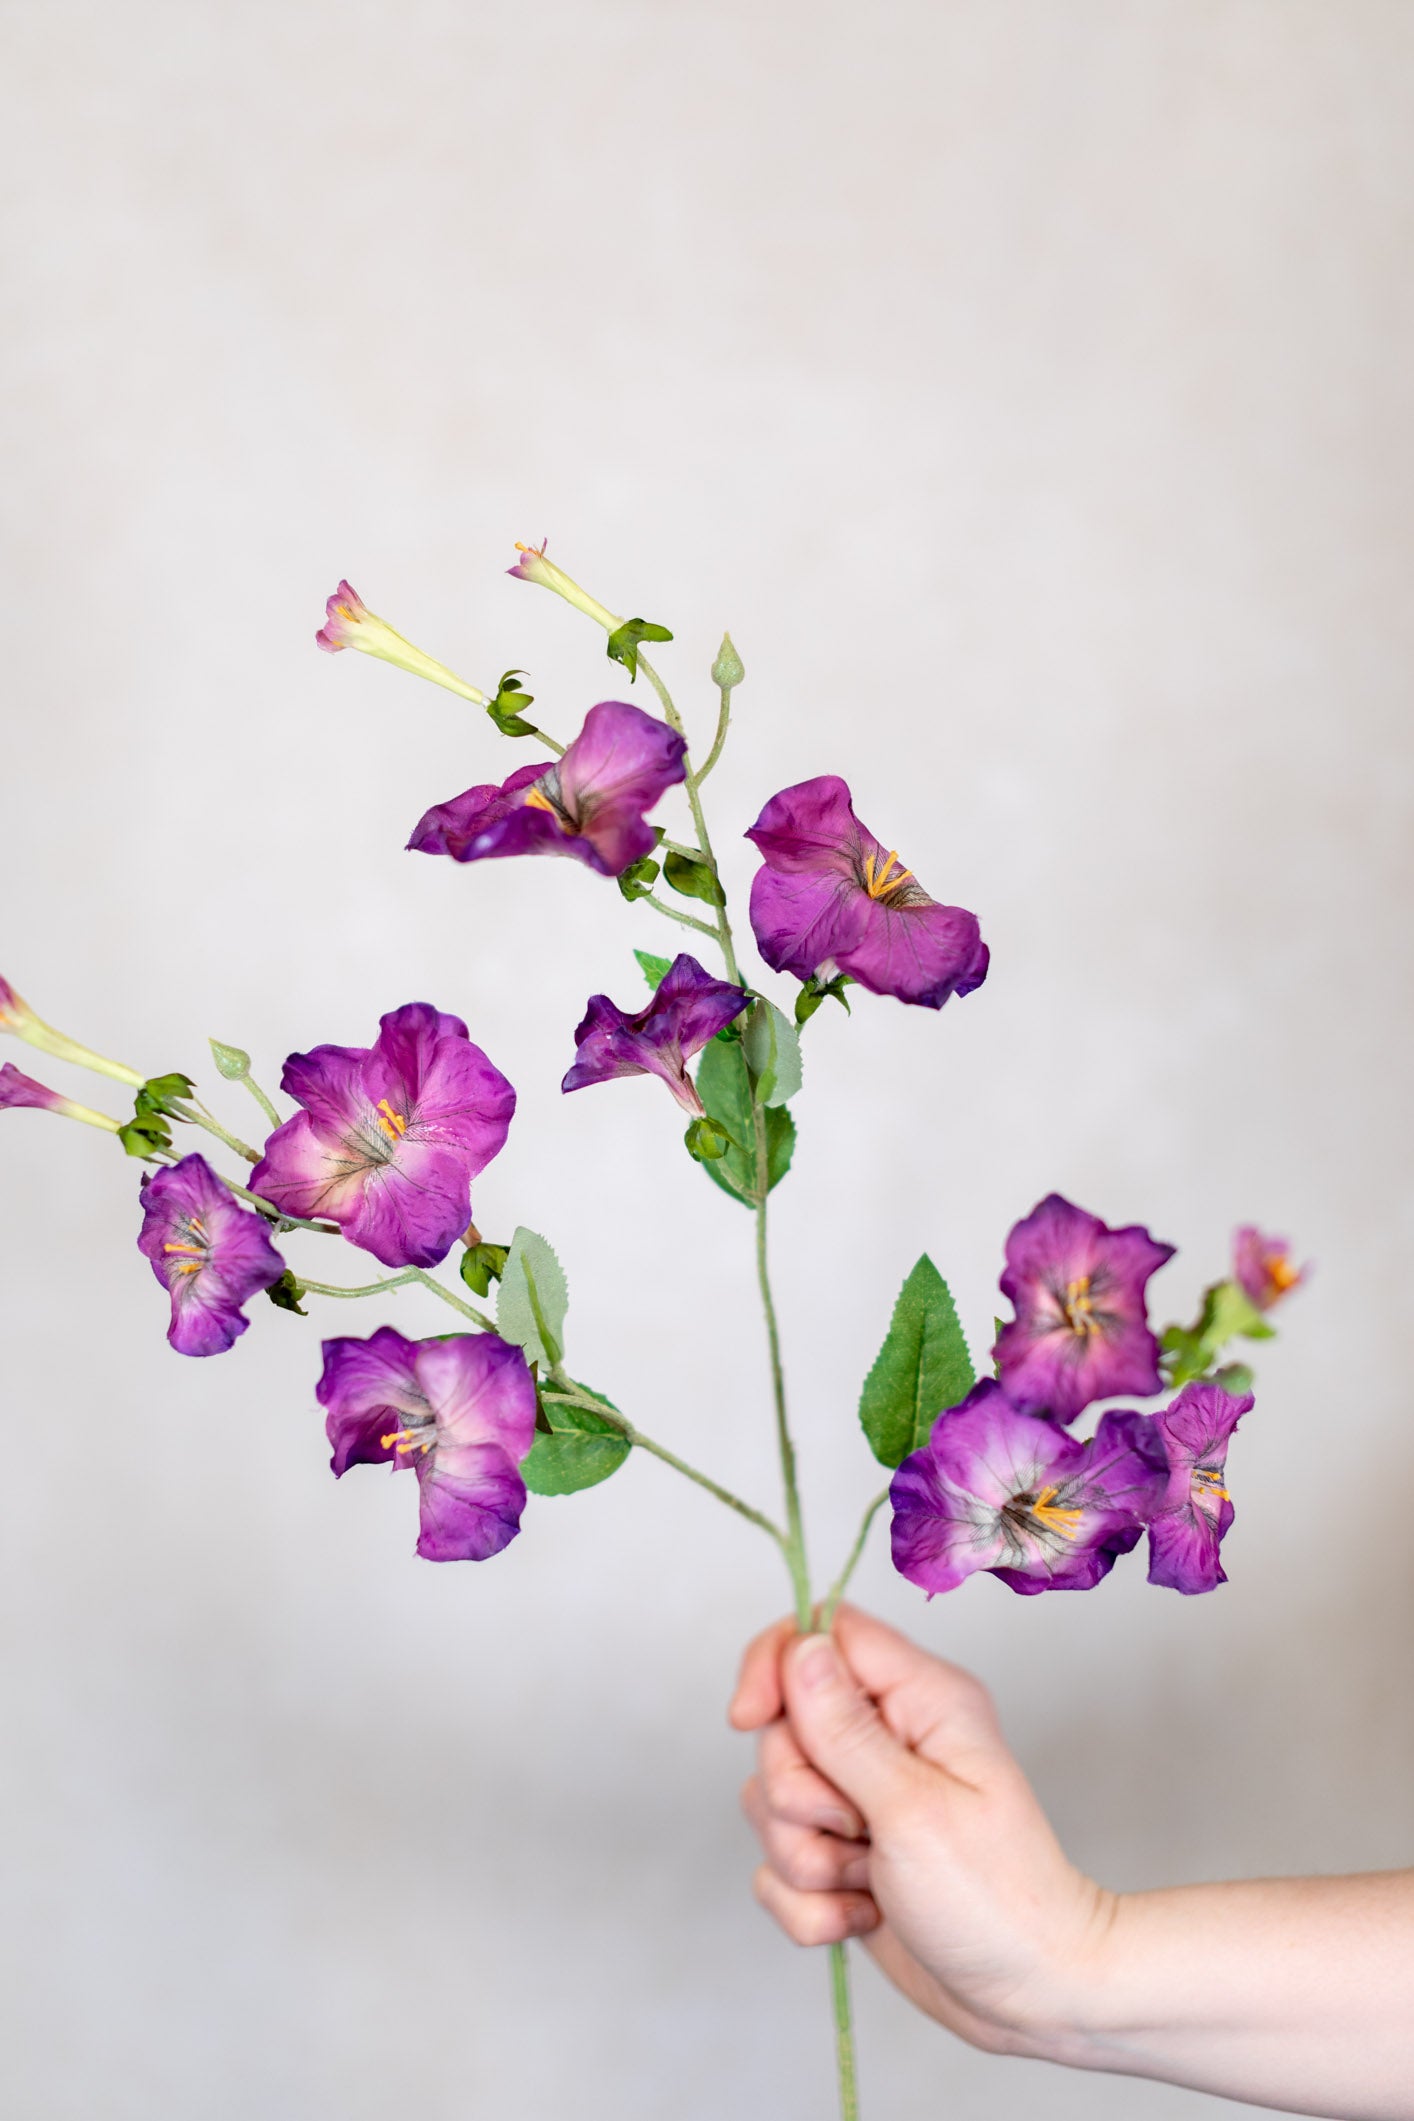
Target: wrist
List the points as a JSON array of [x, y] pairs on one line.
[[1068, 2017]]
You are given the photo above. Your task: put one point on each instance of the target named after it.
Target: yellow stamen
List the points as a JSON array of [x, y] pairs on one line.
[[392, 1123], [537, 801], [1281, 1274], [538, 549], [1209, 1481], [1053, 1517], [884, 883], [409, 1439], [1079, 1307], [199, 1249], [190, 1266]]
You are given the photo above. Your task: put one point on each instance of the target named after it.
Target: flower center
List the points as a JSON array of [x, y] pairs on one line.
[[882, 883], [1046, 1511], [1281, 1274], [392, 1123], [1208, 1481], [421, 1438], [537, 799], [1079, 1308], [193, 1227]]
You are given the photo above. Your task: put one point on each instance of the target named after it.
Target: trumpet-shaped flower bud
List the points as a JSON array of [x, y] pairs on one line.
[[688, 1008], [532, 566], [1195, 1510], [590, 804], [17, 1089], [348, 623], [210, 1254], [831, 899], [1081, 1331], [1261, 1265], [17, 1016], [390, 1137], [460, 1411], [1008, 1492]]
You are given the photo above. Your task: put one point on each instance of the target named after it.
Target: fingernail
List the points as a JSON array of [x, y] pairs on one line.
[[816, 1664]]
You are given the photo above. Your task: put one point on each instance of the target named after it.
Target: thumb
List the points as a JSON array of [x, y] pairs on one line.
[[840, 1730]]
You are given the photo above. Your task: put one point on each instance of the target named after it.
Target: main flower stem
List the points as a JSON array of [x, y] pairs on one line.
[[838, 1587], [669, 1458], [724, 926]]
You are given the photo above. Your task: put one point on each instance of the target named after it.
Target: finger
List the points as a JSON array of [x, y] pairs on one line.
[[841, 1733], [757, 1699], [812, 1862], [795, 1791], [936, 1708], [814, 1918]]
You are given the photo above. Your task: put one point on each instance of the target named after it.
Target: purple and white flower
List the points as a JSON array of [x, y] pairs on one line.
[[590, 804], [1011, 1493], [1081, 1329], [348, 623], [1195, 1509], [688, 1009], [210, 1254], [533, 566], [18, 1089], [390, 1137], [831, 899], [1261, 1266], [460, 1411]]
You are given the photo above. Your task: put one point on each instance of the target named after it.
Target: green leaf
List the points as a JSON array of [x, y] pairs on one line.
[[624, 642], [533, 1299], [582, 1450], [725, 1089], [692, 879], [285, 1294], [639, 878], [230, 1061], [922, 1367], [654, 969], [772, 1050], [728, 670], [481, 1264]]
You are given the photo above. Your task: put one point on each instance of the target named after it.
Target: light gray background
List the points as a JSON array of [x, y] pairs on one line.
[[1028, 388]]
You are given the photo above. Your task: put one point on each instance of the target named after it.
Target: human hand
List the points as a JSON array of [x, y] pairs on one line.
[[889, 1808]]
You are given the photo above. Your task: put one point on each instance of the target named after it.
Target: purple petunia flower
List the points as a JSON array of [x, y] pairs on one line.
[[589, 804], [461, 1411], [1080, 1331], [997, 1489], [210, 1254], [830, 899], [1262, 1266], [1195, 1510], [688, 1009], [391, 1136]]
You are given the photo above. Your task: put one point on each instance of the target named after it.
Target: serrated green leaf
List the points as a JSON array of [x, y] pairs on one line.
[[654, 969], [692, 879], [583, 1449], [922, 1367], [725, 1089], [772, 1051], [532, 1300]]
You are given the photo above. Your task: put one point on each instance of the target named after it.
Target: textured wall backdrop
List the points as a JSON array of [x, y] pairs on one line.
[[1028, 388]]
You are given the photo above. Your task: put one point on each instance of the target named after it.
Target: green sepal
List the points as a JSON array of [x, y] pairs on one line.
[[728, 670], [285, 1293], [922, 1367], [148, 1130], [815, 991], [481, 1264], [1234, 1377], [141, 1136], [1227, 1313], [581, 1450], [654, 969], [533, 1299], [159, 1092], [706, 1140], [693, 879], [639, 878], [724, 1087], [772, 1049], [230, 1061], [624, 642], [507, 709]]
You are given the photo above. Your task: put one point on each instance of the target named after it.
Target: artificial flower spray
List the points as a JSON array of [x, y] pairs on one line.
[[384, 1142]]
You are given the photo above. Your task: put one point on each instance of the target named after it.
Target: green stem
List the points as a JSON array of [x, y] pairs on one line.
[[691, 854], [430, 1281], [369, 1288], [200, 1117], [724, 927], [724, 715], [686, 920], [795, 1528], [844, 2033], [268, 1208], [838, 1587], [262, 1100], [546, 738], [669, 1458]]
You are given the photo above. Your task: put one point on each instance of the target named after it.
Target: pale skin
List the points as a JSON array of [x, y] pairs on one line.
[[890, 1809]]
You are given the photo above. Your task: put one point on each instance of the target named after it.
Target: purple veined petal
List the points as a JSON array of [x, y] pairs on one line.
[[209, 1253], [1195, 1513], [917, 951], [370, 1391], [481, 1391], [802, 922], [621, 763], [811, 829], [327, 1082], [311, 1171], [688, 1009], [454, 828], [471, 1499], [430, 1085], [18, 1090], [412, 1209]]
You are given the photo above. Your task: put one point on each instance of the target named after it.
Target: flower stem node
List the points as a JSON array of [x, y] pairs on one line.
[[507, 710], [707, 1141], [728, 670], [148, 1130], [625, 641]]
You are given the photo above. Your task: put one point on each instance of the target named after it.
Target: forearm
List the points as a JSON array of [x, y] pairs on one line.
[[1291, 1993]]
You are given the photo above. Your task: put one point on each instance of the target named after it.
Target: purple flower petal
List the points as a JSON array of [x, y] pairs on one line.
[[1261, 1265], [1195, 1511], [18, 1089], [454, 828], [688, 1008], [832, 898], [209, 1253], [1081, 1331]]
